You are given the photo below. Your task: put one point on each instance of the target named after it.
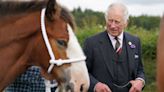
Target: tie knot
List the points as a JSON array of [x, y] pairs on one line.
[[116, 38]]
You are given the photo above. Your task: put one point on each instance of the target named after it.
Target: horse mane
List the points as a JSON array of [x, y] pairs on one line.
[[15, 7], [12, 7]]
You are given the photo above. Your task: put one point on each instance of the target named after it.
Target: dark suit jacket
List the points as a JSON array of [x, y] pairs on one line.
[[98, 52]]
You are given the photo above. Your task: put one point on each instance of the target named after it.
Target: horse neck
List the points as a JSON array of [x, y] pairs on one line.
[[24, 27], [16, 27], [11, 18]]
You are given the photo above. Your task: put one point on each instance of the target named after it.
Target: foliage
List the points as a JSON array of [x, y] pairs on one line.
[[150, 72], [148, 39], [86, 32], [146, 22], [88, 18], [150, 87]]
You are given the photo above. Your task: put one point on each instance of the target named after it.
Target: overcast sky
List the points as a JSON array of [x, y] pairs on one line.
[[135, 7]]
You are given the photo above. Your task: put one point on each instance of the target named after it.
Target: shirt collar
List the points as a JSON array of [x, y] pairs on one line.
[[120, 37]]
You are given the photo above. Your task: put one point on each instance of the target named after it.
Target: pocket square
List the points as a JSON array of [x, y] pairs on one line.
[[136, 56]]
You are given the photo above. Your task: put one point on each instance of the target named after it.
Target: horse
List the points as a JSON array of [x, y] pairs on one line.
[[47, 42], [160, 58]]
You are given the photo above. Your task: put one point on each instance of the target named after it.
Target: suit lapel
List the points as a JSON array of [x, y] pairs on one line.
[[106, 49], [130, 52]]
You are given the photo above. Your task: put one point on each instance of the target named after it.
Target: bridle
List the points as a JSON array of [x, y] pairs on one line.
[[53, 61]]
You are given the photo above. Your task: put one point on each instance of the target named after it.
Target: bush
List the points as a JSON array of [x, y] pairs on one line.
[[148, 40], [86, 32]]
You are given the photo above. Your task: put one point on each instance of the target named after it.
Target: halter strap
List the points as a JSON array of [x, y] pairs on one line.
[[45, 37]]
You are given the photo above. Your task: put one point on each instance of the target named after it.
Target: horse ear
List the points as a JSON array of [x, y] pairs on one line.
[[53, 10]]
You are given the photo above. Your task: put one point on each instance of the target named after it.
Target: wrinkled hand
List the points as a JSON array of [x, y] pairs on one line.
[[136, 86], [101, 87]]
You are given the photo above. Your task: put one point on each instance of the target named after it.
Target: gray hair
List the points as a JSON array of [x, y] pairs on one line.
[[119, 5]]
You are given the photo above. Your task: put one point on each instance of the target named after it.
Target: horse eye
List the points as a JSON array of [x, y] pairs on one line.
[[62, 43]]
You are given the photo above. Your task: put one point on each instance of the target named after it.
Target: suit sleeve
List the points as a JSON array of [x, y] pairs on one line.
[[140, 69], [88, 50]]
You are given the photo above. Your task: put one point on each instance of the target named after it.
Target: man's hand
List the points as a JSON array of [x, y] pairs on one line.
[[101, 87], [137, 85]]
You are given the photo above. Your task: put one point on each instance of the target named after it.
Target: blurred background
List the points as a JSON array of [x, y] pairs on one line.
[[144, 22]]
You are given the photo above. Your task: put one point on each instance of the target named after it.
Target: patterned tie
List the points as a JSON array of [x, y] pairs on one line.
[[117, 45]]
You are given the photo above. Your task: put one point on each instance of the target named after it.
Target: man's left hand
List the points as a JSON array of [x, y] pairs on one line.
[[137, 85]]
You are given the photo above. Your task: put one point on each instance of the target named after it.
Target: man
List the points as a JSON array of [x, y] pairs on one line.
[[114, 56]]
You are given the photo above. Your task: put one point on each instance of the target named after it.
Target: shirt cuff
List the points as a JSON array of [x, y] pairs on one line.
[[94, 89], [143, 81]]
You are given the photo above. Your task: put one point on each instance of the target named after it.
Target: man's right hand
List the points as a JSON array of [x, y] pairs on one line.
[[101, 87]]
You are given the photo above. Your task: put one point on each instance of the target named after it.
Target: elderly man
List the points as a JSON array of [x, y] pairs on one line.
[[114, 56]]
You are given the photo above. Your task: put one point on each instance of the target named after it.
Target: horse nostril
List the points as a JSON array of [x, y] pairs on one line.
[[81, 87], [70, 87]]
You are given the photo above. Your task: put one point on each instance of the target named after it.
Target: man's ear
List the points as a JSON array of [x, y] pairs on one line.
[[126, 24]]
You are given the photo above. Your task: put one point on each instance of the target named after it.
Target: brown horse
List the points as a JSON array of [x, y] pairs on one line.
[[22, 44], [160, 58]]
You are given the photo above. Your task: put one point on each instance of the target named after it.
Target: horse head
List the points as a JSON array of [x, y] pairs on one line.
[[67, 61], [48, 42]]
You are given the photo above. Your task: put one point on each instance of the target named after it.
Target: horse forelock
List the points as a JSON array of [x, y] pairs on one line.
[[68, 17], [55, 10], [52, 10]]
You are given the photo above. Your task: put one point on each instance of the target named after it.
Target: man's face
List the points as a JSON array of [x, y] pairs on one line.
[[115, 22]]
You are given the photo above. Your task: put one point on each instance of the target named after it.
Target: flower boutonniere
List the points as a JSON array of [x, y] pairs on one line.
[[133, 46]]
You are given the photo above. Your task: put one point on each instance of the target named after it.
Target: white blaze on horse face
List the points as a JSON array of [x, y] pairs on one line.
[[79, 72]]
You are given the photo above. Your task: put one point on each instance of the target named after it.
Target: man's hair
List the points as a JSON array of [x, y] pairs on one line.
[[119, 5]]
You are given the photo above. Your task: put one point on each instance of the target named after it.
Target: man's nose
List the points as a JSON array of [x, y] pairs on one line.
[[113, 24]]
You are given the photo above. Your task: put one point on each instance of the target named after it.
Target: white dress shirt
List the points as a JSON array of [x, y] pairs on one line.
[[113, 40]]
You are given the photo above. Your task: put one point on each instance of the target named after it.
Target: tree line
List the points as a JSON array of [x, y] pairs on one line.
[[90, 18]]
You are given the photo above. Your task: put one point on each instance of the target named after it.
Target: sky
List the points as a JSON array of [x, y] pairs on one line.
[[135, 7]]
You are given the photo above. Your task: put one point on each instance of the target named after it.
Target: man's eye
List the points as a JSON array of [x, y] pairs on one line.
[[117, 22]]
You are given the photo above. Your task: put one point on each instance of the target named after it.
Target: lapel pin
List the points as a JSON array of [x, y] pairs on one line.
[[131, 45], [136, 56]]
